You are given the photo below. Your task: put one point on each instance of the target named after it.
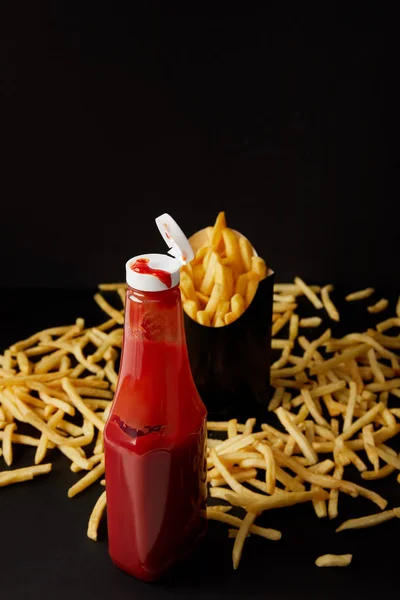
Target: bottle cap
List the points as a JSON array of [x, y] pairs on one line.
[[158, 272]]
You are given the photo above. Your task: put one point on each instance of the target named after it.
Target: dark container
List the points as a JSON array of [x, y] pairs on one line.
[[231, 364]]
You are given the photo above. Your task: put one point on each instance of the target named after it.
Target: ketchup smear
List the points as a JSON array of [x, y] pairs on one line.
[[154, 442], [141, 266]]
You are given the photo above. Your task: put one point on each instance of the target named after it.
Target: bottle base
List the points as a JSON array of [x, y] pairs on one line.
[[153, 576]]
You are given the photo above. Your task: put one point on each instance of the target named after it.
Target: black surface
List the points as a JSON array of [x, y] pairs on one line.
[[112, 115], [44, 552]]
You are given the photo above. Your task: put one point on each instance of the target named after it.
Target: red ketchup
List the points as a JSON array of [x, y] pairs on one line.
[[141, 265], [154, 440]]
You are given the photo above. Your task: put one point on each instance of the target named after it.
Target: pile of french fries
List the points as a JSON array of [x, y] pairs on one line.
[[221, 282], [335, 401], [59, 383]]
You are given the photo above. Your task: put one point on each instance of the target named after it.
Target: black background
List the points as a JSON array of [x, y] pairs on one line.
[[111, 116]]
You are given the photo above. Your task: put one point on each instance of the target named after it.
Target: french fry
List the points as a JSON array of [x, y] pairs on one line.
[[251, 289], [246, 251], [328, 304], [232, 250], [348, 419], [296, 434], [96, 516], [360, 295], [281, 322], [237, 305], [24, 474], [310, 322], [386, 456], [80, 405], [198, 274], [187, 287], [308, 292], [7, 443], [369, 521], [334, 560], [344, 357], [200, 256], [108, 309], [213, 301], [259, 267], [87, 480], [241, 284], [203, 318], [190, 308], [218, 515], [270, 473], [208, 280], [216, 234], [241, 537], [230, 317], [380, 306]]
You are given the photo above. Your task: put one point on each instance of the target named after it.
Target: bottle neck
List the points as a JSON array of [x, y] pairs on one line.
[[154, 317]]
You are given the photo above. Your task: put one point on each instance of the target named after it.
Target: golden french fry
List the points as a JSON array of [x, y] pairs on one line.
[[187, 287], [187, 268], [208, 280], [203, 318], [87, 480], [25, 474], [281, 322], [213, 301], [251, 290], [328, 304], [241, 537], [200, 255], [379, 306], [237, 305], [369, 521], [241, 284], [95, 516], [229, 318], [109, 310], [310, 322], [7, 443], [246, 251], [219, 226], [308, 292], [297, 435], [190, 308], [334, 560], [218, 515], [258, 267], [80, 405], [219, 322], [360, 295], [234, 258], [198, 274], [222, 309], [224, 277], [202, 298]]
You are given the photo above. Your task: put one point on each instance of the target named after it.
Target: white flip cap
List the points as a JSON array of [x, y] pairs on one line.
[[163, 270]]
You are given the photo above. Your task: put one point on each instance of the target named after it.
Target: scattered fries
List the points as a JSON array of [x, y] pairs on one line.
[[346, 387], [222, 280], [57, 374]]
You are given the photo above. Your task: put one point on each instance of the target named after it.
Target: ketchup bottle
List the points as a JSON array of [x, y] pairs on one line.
[[155, 436]]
